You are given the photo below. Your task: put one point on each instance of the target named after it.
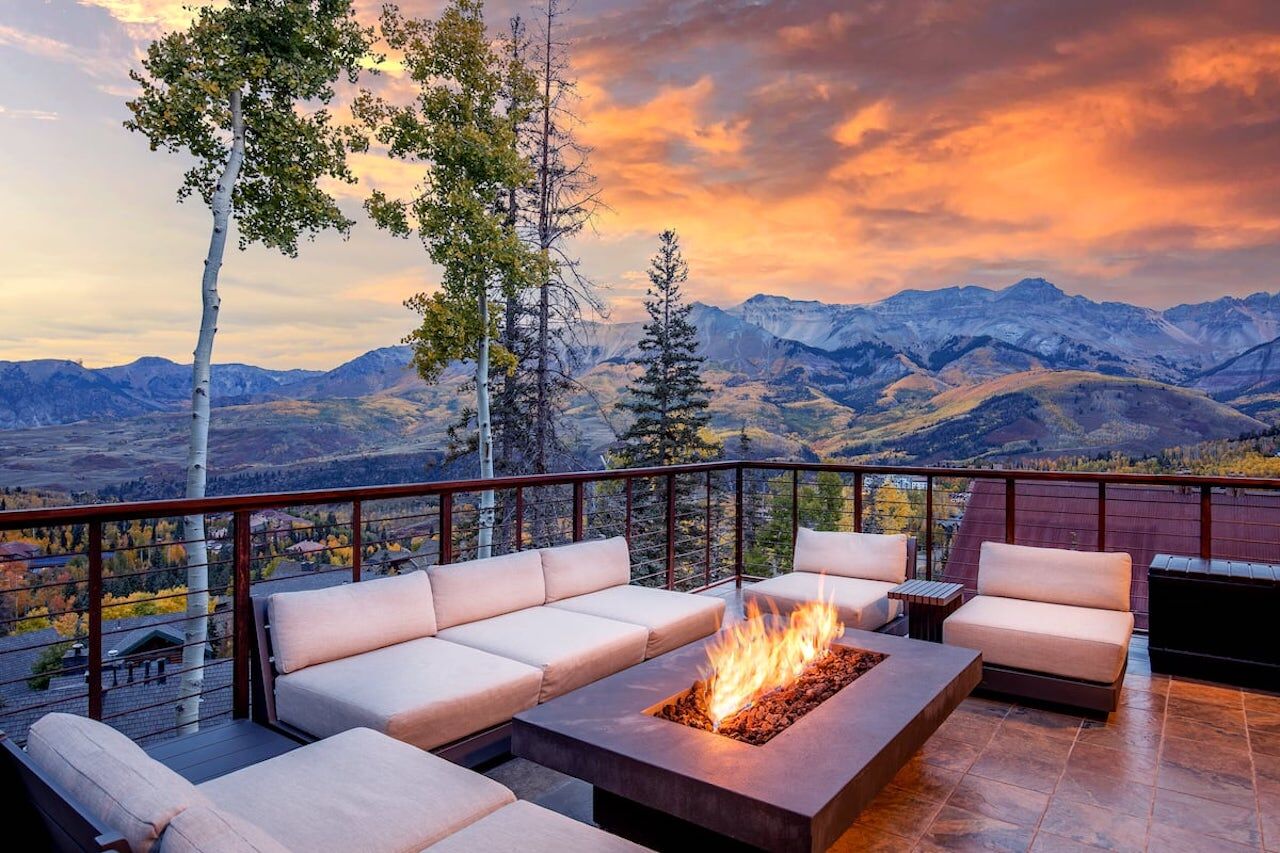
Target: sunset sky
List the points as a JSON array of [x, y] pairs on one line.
[[819, 150]]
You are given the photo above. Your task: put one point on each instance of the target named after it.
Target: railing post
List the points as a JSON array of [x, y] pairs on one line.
[[357, 540], [577, 511], [737, 527], [928, 527], [519, 518], [446, 528], [1206, 523], [857, 501], [1102, 516], [671, 531], [1010, 510], [706, 560], [95, 620], [626, 524], [795, 509], [243, 616]]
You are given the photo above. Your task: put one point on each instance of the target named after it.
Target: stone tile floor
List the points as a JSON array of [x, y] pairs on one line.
[[1182, 766]]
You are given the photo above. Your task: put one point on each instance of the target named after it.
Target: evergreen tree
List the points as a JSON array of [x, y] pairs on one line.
[[669, 401]]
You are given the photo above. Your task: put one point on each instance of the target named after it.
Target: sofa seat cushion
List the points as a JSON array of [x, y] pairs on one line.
[[863, 604], [478, 589], [1082, 643], [673, 619], [529, 828], [110, 777], [425, 692], [319, 625], [205, 829], [585, 567], [870, 556], [571, 649], [358, 790]]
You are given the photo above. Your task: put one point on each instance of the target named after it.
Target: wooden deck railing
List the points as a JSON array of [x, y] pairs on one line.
[[690, 527]]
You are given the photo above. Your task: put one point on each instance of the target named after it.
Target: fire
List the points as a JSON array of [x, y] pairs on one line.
[[749, 660]]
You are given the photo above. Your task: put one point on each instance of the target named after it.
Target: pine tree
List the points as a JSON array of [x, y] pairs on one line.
[[670, 399]]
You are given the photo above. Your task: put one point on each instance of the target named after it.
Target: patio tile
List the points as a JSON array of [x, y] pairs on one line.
[[999, 800], [1212, 694], [1157, 684], [1269, 816], [985, 706], [1258, 701], [949, 754], [1039, 721], [1266, 770], [1047, 842], [957, 829], [1017, 770], [1137, 730], [1095, 825], [1266, 722], [1211, 735], [1134, 765], [1037, 745], [861, 838], [926, 780], [1217, 774], [1206, 817], [1141, 700], [1205, 712], [1264, 743], [899, 812], [970, 727], [1164, 838], [1109, 790]]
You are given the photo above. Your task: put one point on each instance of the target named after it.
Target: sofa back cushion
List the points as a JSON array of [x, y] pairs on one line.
[[1080, 578], [205, 829], [870, 556], [320, 625], [585, 567], [110, 777], [479, 589]]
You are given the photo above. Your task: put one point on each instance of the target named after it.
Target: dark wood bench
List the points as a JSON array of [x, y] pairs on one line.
[[1214, 619]]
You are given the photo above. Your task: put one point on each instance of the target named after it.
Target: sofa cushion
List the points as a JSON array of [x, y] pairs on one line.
[[672, 618], [110, 776], [532, 829], [478, 589], [571, 649], [586, 567], [318, 625], [1079, 578], [426, 692], [358, 790], [1083, 643], [870, 556], [861, 603], [205, 829]]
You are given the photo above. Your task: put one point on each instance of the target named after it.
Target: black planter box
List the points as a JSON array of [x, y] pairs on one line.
[[1215, 619]]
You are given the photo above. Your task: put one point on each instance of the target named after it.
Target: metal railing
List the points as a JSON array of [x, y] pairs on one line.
[[92, 624]]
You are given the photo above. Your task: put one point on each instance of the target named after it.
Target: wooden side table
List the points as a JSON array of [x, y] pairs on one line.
[[927, 603]]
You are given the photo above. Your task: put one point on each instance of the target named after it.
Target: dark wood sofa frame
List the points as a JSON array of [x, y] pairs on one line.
[[471, 751], [1092, 696]]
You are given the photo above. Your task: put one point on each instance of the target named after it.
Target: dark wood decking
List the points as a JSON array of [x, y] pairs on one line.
[[221, 749]]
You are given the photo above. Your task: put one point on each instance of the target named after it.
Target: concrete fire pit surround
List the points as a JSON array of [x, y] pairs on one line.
[[666, 784]]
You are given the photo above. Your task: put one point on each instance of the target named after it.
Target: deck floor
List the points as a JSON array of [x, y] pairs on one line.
[[1182, 766]]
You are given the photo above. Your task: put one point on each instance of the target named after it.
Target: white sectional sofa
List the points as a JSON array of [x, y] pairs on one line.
[[1051, 624], [359, 790], [434, 658], [855, 571]]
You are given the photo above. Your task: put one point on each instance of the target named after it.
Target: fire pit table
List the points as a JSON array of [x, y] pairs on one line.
[[672, 786]]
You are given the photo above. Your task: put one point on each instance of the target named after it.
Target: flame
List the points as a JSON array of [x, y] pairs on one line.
[[753, 658]]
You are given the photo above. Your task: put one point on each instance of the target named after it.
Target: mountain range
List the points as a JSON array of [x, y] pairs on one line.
[[955, 374]]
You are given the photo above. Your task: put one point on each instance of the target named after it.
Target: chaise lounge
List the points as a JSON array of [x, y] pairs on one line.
[[359, 790], [1051, 624], [854, 571], [443, 659]]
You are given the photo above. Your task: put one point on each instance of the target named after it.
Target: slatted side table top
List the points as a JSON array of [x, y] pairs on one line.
[[928, 603]]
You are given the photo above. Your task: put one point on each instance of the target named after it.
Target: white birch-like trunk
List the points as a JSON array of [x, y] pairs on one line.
[[196, 627], [484, 537]]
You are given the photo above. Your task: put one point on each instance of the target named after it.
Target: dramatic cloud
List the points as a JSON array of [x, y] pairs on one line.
[[827, 149]]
